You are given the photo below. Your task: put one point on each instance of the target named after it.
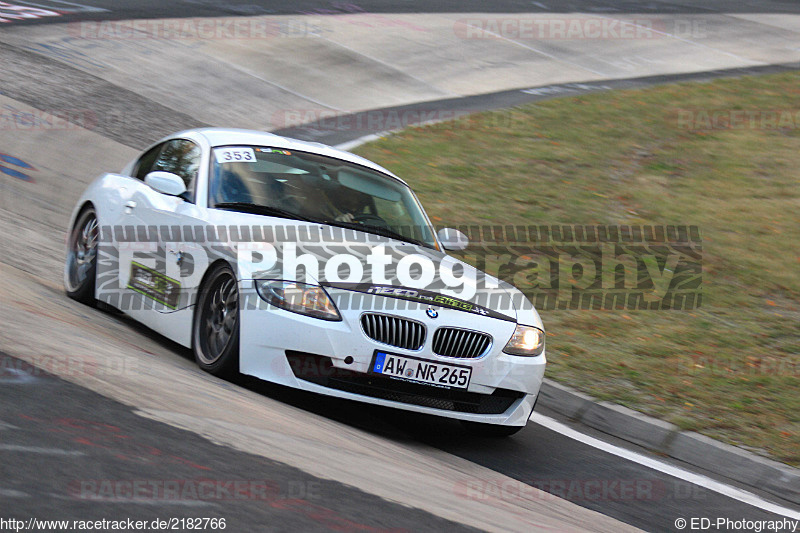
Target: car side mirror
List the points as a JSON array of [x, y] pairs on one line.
[[452, 239], [165, 183]]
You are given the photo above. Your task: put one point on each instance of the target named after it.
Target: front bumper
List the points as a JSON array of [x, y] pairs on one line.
[[333, 358]]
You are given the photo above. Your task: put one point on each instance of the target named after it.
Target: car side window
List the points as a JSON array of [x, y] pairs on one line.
[[178, 156], [145, 163], [181, 157]]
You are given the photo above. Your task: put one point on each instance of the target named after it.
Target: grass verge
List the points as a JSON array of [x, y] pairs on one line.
[[729, 369]]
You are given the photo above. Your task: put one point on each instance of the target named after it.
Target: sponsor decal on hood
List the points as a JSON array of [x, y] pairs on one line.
[[421, 296]]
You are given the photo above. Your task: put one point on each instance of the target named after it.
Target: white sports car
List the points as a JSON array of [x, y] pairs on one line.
[[306, 266]]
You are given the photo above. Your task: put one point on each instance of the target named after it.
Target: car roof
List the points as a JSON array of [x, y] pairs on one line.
[[232, 136]]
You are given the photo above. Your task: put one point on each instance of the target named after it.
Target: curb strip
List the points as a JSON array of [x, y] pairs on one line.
[[667, 439]]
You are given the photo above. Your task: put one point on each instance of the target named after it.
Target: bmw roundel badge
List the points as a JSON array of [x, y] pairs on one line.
[[431, 312]]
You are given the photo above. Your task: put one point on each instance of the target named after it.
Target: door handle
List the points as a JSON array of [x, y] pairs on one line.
[[130, 205]]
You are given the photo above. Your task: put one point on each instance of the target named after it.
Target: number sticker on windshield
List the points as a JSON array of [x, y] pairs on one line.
[[235, 155]]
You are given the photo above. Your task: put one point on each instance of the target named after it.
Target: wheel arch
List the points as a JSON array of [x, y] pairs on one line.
[[78, 211]]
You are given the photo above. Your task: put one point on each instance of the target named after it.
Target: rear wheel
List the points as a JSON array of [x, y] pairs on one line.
[[80, 270], [215, 332]]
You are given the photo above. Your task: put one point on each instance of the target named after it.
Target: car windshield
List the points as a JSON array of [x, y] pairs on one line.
[[292, 184]]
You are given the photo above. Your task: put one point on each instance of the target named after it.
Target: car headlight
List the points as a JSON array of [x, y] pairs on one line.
[[526, 340], [310, 300]]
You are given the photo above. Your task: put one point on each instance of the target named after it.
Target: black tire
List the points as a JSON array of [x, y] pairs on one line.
[[215, 330], [80, 270], [480, 429]]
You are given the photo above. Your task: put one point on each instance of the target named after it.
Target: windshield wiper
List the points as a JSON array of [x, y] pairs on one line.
[[259, 209], [378, 230]]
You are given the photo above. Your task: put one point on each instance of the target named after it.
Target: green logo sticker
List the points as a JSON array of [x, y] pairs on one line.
[[154, 285]]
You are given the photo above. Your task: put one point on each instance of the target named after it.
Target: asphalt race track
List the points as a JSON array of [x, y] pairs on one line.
[[93, 405]]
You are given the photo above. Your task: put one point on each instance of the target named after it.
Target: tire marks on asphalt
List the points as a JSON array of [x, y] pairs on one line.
[[121, 114]]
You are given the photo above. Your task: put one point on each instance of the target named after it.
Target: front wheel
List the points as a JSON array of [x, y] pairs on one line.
[[80, 270], [215, 331]]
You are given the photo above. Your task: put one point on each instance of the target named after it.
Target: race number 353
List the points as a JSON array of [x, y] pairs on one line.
[[235, 155]]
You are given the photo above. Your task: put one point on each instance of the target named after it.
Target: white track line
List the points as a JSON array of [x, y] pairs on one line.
[[134, 501], [6, 425], [80, 7], [696, 479], [10, 493], [37, 449]]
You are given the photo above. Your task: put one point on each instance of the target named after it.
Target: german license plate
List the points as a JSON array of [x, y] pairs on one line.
[[421, 370]]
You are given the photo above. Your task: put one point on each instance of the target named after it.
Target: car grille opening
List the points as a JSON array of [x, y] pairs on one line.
[[394, 330], [320, 370], [460, 343]]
